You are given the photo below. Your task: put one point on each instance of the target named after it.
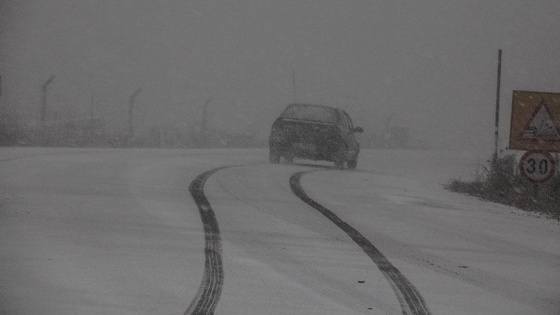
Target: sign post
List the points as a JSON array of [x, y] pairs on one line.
[[497, 118]]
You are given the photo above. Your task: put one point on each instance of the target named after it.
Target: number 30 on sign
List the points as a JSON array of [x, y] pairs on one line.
[[537, 166]]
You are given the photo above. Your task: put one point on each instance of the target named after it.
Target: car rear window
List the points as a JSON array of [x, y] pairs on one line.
[[311, 112]]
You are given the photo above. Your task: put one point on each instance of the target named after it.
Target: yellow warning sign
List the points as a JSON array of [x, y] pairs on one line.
[[535, 121]]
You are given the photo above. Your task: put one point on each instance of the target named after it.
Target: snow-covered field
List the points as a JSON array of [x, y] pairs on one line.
[[107, 231]]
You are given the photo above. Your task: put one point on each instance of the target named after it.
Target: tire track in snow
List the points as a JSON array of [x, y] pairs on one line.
[[408, 296], [211, 286]]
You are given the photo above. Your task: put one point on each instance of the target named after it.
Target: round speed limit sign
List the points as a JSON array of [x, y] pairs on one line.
[[537, 166]]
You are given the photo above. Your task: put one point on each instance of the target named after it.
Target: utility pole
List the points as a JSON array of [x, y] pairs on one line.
[[497, 121], [44, 100], [131, 112]]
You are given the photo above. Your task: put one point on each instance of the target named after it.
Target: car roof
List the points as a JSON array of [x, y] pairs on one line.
[[316, 105], [336, 113]]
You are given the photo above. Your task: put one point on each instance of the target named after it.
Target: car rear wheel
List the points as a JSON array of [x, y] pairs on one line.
[[340, 158], [352, 164]]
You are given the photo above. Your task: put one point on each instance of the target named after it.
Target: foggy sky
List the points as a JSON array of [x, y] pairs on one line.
[[431, 65]]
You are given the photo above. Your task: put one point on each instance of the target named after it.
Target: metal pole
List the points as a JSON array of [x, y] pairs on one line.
[[497, 122], [536, 191], [44, 100]]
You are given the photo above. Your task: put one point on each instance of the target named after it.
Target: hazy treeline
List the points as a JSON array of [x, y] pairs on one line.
[[91, 133]]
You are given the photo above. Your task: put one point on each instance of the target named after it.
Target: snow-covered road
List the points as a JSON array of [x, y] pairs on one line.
[[106, 231]]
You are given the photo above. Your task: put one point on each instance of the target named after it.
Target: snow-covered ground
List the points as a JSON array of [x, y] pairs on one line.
[[107, 231]]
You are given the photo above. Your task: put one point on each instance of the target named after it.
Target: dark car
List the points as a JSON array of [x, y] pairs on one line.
[[315, 132]]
